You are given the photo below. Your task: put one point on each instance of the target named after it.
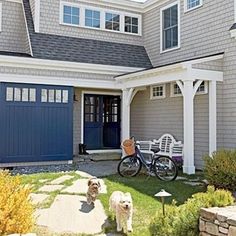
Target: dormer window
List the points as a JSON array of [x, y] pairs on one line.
[[92, 18], [71, 15], [131, 24], [192, 4], [112, 22]]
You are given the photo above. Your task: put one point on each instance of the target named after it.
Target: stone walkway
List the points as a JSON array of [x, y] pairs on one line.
[[69, 212]]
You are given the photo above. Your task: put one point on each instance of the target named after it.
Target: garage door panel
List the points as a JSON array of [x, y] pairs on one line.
[[35, 126]]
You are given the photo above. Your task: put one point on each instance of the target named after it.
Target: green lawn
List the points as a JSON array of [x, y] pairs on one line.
[[142, 189]]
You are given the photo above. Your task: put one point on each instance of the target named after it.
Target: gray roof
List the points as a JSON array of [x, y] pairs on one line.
[[56, 47]]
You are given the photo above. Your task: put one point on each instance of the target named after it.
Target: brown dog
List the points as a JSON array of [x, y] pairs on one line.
[[94, 187]]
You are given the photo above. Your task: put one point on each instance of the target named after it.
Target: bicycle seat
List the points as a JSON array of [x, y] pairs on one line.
[[155, 150]]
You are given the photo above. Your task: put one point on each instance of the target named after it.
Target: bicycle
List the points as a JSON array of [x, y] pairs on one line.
[[162, 166]]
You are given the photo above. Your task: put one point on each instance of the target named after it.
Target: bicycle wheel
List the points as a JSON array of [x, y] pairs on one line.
[[129, 166], [165, 168]]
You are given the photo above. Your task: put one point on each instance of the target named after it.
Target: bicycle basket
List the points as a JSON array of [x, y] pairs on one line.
[[129, 146]]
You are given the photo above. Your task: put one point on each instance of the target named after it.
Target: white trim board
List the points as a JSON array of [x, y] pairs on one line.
[[33, 63], [83, 92]]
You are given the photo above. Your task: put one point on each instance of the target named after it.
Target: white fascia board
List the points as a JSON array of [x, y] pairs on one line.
[[63, 81], [145, 73], [204, 59], [33, 63], [155, 79]]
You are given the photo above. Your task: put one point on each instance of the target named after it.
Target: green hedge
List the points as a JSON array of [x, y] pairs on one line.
[[220, 169], [183, 220]]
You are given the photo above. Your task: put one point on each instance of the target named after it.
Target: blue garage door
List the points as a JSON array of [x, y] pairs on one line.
[[36, 123]]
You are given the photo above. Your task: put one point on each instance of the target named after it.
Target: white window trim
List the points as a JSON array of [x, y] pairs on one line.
[[172, 91], [180, 95], [193, 8], [159, 97], [0, 17], [161, 27], [103, 12]]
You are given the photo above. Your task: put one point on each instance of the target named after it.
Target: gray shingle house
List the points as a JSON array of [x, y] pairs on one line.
[[96, 72]]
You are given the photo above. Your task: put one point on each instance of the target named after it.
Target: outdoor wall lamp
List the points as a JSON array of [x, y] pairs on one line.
[[162, 194]]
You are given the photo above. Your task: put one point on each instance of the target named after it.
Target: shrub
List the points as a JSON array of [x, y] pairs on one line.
[[183, 220], [15, 209], [220, 169]]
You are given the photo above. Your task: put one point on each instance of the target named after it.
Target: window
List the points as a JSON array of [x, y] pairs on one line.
[[112, 22], [131, 24], [54, 96], [20, 94], [202, 89], [175, 90], [71, 15], [92, 18], [170, 27], [192, 4], [158, 91]]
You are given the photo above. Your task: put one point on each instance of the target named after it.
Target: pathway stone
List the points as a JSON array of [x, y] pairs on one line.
[[61, 179], [50, 188], [71, 213], [181, 178], [83, 174], [43, 181], [30, 234], [81, 186], [37, 198]]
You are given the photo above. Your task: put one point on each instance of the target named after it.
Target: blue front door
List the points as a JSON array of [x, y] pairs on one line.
[[101, 121], [36, 123]]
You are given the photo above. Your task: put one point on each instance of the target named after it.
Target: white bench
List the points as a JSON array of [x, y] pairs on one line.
[[166, 143]]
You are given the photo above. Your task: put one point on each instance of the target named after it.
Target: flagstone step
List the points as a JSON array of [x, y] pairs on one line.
[[50, 188], [61, 179], [37, 198]]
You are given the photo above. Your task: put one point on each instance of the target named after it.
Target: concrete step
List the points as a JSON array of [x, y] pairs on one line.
[[102, 156]]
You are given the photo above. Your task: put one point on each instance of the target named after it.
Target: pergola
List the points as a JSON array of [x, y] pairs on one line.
[[188, 78]]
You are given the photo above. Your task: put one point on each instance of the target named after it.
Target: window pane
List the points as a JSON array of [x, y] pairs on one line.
[[96, 15], [51, 95], [175, 36], [67, 19], [32, 96], [75, 11], [88, 22], [135, 21], [109, 25], [17, 94], [75, 20], [167, 39], [88, 14], [116, 18], [25, 95], [128, 20], [65, 96], [116, 26], [108, 17], [167, 17], [9, 94], [135, 29], [174, 15], [128, 28], [67, 10], [44, 95], [96, 23], [58, 96]]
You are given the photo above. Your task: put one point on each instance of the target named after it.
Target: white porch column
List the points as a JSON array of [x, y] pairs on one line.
[[188, 93], [212, 117], [125, 122]]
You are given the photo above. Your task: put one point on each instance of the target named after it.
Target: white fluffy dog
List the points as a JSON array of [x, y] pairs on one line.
[[94, 187], [122, 205]]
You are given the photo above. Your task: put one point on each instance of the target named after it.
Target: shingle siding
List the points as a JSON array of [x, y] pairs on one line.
[[49, 24], [13, 36]]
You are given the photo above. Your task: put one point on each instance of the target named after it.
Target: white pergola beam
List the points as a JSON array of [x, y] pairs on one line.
[[207, 75], [212, 117]]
